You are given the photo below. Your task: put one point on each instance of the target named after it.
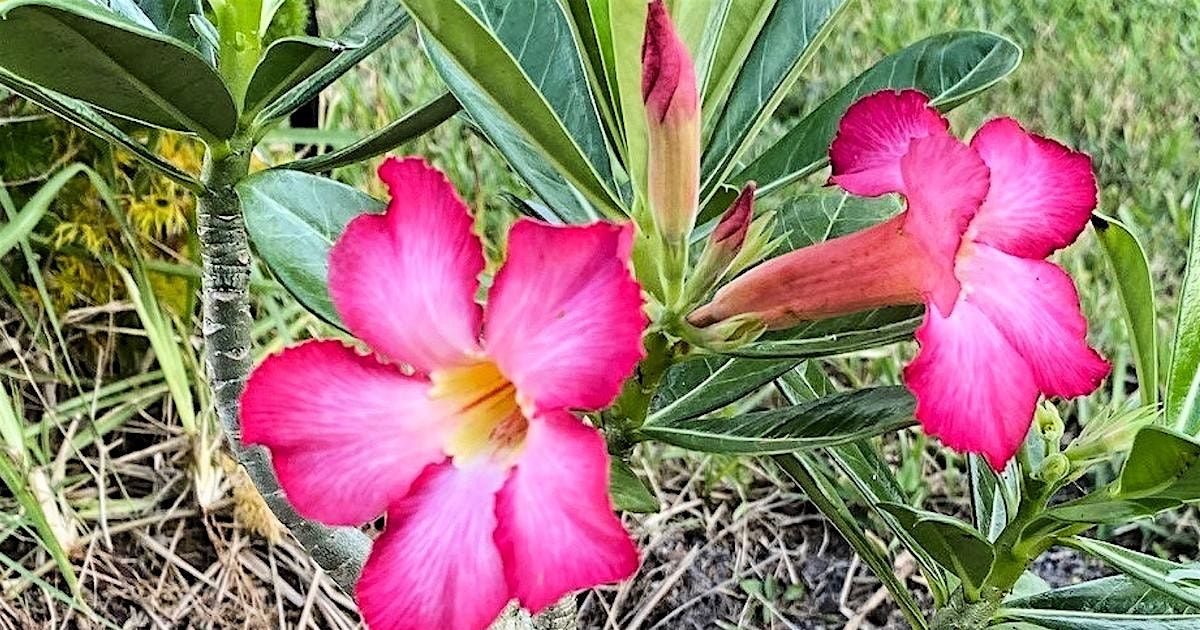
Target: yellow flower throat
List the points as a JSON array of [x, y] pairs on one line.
[[484, 402]]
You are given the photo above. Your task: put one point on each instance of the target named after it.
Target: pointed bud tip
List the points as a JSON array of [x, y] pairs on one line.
[[731, 229], [668, 76]]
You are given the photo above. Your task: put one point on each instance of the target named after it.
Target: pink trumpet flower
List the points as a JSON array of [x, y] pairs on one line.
[[1002, 324], [459, 426]]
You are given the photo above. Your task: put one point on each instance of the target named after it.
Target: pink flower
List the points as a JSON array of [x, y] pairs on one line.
[[459, 427], [1002, 325]]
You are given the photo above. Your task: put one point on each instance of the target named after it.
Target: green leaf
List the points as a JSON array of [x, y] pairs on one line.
[[125, 69], [1161, 472], [711, 383], [1136, 290], [744, 20], [788, 40], [1072, 620], [950, 67], [293, 219], [416, 123], [952, 543], [174, 19], [629, 493], [839, 335], [993, 496], [84, 116], [1161, 464], [375, 24], [1177, 580], [1183, 379], [835, 419], [626, 30], [1112, 595], [516, 70], [287, 63]]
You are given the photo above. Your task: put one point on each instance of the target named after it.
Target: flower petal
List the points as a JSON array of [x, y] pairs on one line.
[[436, 564], [557, 529], [405, 281], [1034, 303], [973, 389], [347, 433], [564, 319], [1042, 193], [945, 182], [874, 134]]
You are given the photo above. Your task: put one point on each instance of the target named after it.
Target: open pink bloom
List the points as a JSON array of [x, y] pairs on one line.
[[459, 427], [1002, 325]]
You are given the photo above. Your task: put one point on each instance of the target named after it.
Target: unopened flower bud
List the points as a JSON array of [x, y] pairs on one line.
[[1049, 424], [673, 126], [724, 244], [726, 335], [1054, 468]]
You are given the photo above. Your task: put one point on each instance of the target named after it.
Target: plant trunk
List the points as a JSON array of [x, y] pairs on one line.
[[227, 322]]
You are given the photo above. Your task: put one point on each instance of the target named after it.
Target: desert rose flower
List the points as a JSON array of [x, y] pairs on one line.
[[458, 426], [1002, 324], [672, 125]]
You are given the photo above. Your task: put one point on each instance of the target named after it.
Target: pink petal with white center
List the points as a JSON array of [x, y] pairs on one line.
[[874, 134], [944, 181], [564, 318], [557, 529], [1042, 192], [405, 281], [1034, 303], [436, 564], [347, 433], [973, 389]]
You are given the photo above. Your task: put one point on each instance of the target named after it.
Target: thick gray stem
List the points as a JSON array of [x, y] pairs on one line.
[[227, 342]]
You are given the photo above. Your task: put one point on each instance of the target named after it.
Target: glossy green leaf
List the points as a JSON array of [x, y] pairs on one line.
[[415, 124], [1161, 464], [839, 335], [294, 219], [87, 118], [1183, 379], [589, 21], [955, 545], [835, 419], [629, 493], [1035, 619], [994, 496], [1161, 472], [1177, 580], [949, 67], [516, 70], [1112, 595], [788, 40], [120, 67], [375, 24], [744, 20], [1136, 290], [700, 386], [287, 63], [174, 19], [627, 29]]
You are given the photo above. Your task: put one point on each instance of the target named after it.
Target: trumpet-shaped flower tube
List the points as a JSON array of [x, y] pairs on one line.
[[458, 426], [1002, 325]]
